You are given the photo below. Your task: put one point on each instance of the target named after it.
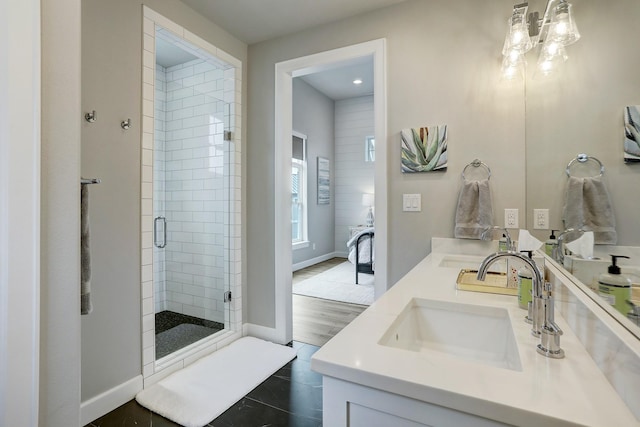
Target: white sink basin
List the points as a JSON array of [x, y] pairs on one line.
[[475, 333]]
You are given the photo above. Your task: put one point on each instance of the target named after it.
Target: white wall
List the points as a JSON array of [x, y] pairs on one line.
[[443, 62], [353, 176], [313, 116], [193, 197]]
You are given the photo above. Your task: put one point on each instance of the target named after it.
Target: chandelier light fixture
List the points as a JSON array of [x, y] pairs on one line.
[[551, 34]]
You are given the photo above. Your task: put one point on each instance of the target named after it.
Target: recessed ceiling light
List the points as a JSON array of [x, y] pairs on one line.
[[357, 82]]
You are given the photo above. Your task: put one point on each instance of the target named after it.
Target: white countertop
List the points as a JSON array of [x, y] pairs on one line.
[[549, 392]]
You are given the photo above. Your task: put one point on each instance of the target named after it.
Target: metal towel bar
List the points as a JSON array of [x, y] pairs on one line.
[[90, 181]]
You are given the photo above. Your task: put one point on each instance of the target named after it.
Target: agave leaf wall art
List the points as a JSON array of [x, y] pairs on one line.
[[632, 134], [424, 149]]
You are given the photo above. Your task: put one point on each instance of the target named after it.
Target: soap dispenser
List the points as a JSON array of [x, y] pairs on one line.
[[615, 288], [551, 244], [525, 285]]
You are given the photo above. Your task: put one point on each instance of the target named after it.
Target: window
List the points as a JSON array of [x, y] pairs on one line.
[[370, 149], [299, 191]]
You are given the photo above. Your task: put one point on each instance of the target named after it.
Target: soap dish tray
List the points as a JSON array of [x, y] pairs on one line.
[[494, 283]]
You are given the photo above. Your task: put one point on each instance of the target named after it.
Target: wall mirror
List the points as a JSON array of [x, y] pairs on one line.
[[580, 109]]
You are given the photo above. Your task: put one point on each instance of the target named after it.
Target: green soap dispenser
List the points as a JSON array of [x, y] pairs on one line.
[[525, 279], [551, 244], [615, 288]]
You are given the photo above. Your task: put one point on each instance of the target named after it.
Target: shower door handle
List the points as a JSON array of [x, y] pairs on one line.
[[164, 232]]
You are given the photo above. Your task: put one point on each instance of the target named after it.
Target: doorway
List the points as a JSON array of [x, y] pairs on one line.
[[285, 72], [190, 197]]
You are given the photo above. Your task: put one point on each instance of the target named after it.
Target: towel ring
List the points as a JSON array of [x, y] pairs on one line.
[[583, 158], [477, 163]]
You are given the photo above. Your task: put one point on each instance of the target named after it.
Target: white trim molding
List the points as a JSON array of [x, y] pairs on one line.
[[318, 259], [105, 402], [284, 73], [20, 212]]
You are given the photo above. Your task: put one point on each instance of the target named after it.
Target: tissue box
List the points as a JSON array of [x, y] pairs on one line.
[[587, 270]]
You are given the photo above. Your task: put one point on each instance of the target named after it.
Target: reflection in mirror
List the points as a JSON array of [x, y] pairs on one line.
[[581, 109], [370, 149]]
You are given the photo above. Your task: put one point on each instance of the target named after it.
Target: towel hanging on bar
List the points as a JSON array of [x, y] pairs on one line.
[[588, 206], [85, 253]]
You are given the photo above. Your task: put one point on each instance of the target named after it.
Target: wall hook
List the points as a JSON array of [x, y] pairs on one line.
[[126, 124], [90, 117]]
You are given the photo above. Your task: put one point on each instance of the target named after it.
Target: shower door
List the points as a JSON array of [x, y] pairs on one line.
[[191, 196]]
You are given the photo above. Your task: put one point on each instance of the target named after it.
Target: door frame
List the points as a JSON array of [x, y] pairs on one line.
[[284, 74]]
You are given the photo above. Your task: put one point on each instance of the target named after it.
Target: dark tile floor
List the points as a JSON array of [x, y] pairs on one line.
[[290, 397]]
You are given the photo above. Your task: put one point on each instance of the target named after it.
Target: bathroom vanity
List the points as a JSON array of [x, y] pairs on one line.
[[428, 354]]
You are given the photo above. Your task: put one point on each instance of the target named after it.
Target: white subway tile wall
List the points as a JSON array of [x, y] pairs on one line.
[[191, 176], [190, 173]]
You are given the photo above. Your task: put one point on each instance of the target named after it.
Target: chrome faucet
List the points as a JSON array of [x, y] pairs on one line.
[[558, 251], [540, 313], [505, 233]]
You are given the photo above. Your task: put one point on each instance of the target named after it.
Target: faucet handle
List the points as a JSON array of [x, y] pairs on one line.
[[547, 290], [550, 341]]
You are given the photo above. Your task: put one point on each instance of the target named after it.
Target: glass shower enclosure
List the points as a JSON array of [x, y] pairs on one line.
[[191, 194]]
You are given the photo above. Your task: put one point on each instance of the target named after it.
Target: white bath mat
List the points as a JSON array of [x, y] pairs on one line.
[[338, 284], [199, 393]]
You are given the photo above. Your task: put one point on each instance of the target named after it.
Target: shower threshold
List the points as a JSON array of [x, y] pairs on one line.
[[175, 331]]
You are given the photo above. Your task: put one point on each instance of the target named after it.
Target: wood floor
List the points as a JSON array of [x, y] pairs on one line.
[[316, 320]]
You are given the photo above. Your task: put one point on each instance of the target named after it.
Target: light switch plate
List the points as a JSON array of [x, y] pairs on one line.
[[411, 202]]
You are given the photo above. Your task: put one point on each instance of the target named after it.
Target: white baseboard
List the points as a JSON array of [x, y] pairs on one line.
[[262, 332], [109, 400], [316, 260]]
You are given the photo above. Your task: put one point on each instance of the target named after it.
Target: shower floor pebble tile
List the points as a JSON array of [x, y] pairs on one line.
[[290, 397]]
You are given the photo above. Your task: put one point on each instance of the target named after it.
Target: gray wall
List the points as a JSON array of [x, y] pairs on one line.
[[111, 85], [59, 404], [581, 111], [443, 63], [313, 116]]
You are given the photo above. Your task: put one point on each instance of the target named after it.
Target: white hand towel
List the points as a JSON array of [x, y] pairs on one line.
[[474, 213], [588, 207]]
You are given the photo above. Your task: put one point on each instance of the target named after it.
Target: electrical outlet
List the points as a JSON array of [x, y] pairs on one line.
[[541, 219], [511, 218]]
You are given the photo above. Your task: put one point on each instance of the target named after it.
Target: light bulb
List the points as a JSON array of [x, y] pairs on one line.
[[512, 67], [517, 35], [551, 48], [563, 28]]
